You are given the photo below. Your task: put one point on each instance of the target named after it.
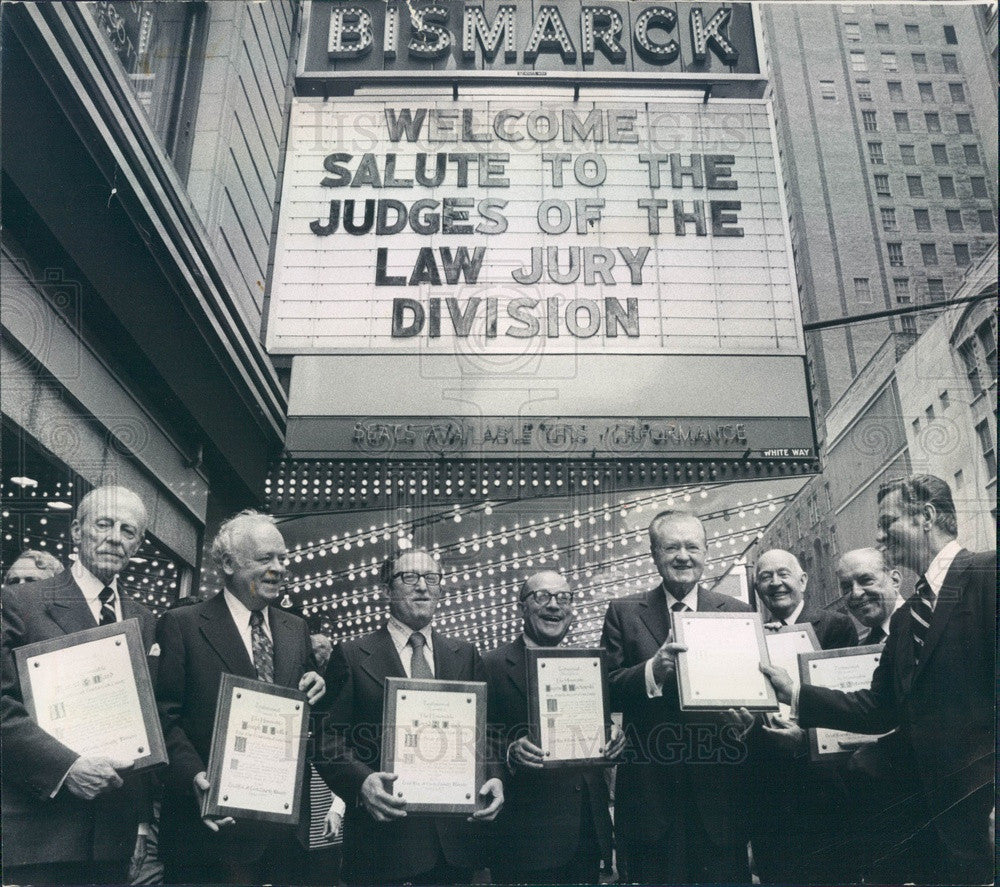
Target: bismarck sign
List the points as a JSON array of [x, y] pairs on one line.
[[450, 37]]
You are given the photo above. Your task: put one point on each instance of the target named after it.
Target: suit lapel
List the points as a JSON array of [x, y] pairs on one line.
[[446, 659], [653, 612], [517, 668], [219, 630], [948, 598], [707, 602], [283, 635], [67, 606], [382, 661]]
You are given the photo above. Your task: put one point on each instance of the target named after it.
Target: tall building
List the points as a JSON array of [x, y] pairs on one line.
[[887, 127]]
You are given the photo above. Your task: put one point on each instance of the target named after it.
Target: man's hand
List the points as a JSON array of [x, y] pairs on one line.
[[201, 787], [492, 787], [378, 799], [332, 823], [665, 659], [781, 682], [313, 686], [617, 743], [524, 753], [89, 777], [741, 719], [773, 626], [785, 734]]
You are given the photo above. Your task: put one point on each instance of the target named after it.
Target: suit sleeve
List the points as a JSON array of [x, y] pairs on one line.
[[495, 750], [32, 758], [185, 762], [628, 683]]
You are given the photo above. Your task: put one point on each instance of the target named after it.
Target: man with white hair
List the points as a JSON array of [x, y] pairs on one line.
[[32, 566], [70, 818], [239, 632]]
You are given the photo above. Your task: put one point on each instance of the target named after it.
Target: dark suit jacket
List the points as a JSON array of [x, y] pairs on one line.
[[670, 753], [352, 749], [37, 828], [832, 629], [942, 707], [539, 826], [197, 645]]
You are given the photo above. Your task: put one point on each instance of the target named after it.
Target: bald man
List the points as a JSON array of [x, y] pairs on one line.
[[555, 826], [871, 589], [70, 818]]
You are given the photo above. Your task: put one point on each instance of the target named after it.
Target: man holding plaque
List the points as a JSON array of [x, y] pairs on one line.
[[240, 632], [680, 809], [934, 683], [555, 825], [383, 843], [71, 819]]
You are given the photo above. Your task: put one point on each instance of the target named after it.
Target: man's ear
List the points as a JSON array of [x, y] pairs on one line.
[[896, 578], [805, 581], [929, 514], [228, 567], [75, 531]]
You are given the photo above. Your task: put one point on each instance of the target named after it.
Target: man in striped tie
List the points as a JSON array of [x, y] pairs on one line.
[[934, 683]]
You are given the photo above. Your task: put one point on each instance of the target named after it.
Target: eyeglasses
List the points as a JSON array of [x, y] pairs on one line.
[[431, 580], [542, 597]]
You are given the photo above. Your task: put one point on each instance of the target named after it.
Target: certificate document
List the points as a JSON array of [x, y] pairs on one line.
[[568, 704], [721, 668], [257, 759], [847, 669], [91, 690], [433, 738], [783, 648]]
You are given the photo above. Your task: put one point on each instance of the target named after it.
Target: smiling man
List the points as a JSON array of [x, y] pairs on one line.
[[871, 589], [240, 631], [568, 806], [383, 842]]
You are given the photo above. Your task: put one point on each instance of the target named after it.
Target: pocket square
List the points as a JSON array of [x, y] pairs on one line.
[[154, 650]]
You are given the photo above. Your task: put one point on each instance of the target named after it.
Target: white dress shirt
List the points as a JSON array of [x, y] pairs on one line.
[[91, 587], [653, 689], [241, 616], [939, 568], [400, 635]]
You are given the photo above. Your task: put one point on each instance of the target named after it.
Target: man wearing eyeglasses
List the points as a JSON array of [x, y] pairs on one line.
[[568, 806], [383, 843]]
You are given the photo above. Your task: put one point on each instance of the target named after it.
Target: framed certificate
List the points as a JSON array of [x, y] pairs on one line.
[[568, 708], [258, 755], [434, 739], [91, 691], [783, 647], [847, 669], [721, 668]]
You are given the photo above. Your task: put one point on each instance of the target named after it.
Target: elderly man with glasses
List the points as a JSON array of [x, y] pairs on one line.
[[383, 843]]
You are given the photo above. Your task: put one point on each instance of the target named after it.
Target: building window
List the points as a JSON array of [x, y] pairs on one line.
[[954, 217], [940, 153], [947, 186], [928, 252], [929, 413], [945, 400], [889, 222], [919, 62], [962, 257], [907, 153], [986, 221], [895, 251], [882, 31], [852, 30], [862, 290], [827, 90], [882, 186], [957, 92], [979, 187], [870, 121], [964, 122], [933, 121], [915, 185], [935, 288], [988, 340], [889, 63], [912, 33], [895, 90], [901, 286], [967, 351], [986, 445], [949, 35], [902, 121], [971, 154], [875, 154], [865, 90], [908, 324], [859, 64], [950, 62], [926, 91], [922, 219]]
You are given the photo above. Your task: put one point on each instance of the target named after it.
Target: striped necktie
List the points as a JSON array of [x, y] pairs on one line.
[[107, 598], [921, 611]]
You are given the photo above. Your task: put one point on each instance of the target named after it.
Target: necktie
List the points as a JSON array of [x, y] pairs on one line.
[[107, 598], [921, 609], [875, 636], [263, 649], [418, 661], [784, 622], [679, 607]]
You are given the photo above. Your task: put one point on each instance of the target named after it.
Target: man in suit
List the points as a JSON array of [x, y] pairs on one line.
[[70, 818], [555, 825], [680, 808], [934, 683], [239, 632], [871, 589], [32, 566], [383, 843]]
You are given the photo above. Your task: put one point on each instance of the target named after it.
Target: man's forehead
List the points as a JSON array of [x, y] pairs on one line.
[[777, 560], [677, 525], [546, 582], [859, 562], [415, 559]]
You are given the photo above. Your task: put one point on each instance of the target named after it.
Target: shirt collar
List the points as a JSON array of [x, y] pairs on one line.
[[400, 633], [940, 566], [690, 599], [241, 612], [89, 584], [888, 619]]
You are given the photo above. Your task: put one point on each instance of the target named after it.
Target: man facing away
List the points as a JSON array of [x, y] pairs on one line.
[[69, 818]]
